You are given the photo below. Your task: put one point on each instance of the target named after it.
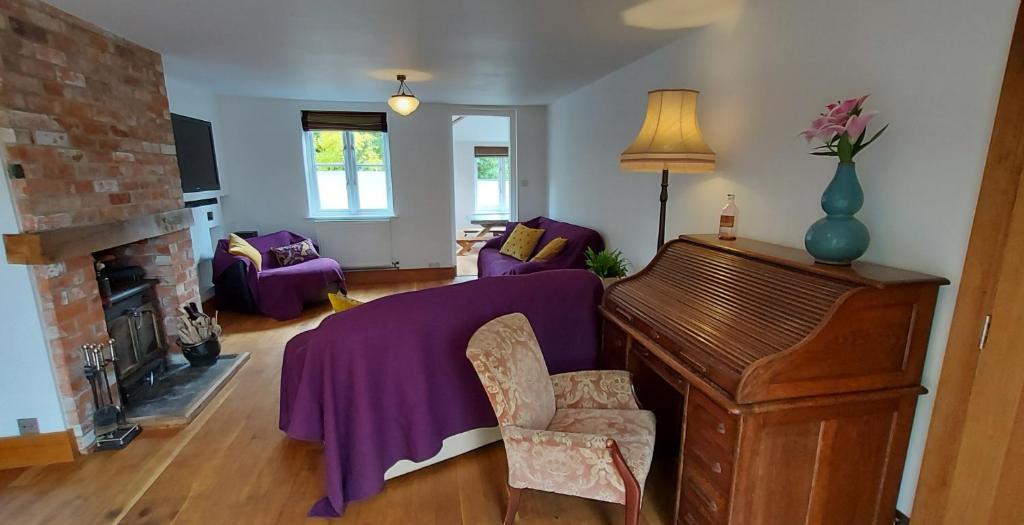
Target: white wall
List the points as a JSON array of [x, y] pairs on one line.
[[192, 101], [185, 98], [260, 152], [531, 142], [934, 68], [27, 386], [481, 128]]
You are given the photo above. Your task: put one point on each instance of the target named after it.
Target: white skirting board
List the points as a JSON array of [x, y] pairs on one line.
[[450, 447]]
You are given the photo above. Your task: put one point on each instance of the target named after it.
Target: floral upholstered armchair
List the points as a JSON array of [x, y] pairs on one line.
[[578, 433]]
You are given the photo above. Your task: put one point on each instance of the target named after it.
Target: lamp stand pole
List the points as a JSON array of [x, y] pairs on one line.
[[663, 199]]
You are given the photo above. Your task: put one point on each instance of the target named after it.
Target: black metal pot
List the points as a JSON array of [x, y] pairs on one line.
[[202, 354]]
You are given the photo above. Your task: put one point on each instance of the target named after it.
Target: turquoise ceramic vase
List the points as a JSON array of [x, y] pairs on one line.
[[839, 238]]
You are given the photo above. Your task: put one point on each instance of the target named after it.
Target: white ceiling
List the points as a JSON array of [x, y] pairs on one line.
[[476, 51], [481, 129]]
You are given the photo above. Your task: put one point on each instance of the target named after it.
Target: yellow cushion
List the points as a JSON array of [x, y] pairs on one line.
[[341, 302], [521, 242], [550, 249], [238, 246]]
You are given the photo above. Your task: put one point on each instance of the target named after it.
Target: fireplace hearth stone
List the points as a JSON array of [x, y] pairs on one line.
[[182, 392]]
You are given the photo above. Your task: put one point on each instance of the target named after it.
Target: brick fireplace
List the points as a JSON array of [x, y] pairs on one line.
[[86, 136]]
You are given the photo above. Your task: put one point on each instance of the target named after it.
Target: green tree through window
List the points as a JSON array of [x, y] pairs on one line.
[[369, 148], [329, 147], [487, 168]]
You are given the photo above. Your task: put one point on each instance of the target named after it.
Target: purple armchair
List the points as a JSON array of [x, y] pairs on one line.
[[274, 291], [491, 262]]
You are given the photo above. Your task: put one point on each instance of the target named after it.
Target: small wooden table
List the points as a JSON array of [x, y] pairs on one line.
[[467, 241], [488, 221]]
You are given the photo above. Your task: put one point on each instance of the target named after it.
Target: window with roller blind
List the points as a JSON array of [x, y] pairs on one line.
[[492, 186], [348, 170]]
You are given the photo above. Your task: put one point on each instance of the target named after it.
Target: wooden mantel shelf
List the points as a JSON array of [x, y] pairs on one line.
[[52, 246]]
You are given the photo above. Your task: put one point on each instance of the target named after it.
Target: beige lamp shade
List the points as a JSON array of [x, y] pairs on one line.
[[670, 138]]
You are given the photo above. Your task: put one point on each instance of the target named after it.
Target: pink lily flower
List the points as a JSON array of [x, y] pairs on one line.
[[858, 123], [841, 127], [848, 106]]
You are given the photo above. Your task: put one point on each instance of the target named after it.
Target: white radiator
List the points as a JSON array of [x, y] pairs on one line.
[[356, 244]]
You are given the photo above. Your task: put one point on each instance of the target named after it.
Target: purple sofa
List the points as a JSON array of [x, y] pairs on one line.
[[275, 291], [389, 380], [491, 262]]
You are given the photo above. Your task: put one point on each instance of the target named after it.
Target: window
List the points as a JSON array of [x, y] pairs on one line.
[[492, 186], [348, 173]]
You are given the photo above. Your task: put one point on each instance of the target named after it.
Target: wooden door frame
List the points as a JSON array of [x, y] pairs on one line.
[[1002, 179]]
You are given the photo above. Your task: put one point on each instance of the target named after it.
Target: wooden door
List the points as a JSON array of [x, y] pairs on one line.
[[973, 470], [987, 483]]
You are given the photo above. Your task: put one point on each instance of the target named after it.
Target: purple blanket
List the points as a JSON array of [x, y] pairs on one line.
[[491, 262], [389, 380], [279, 291]]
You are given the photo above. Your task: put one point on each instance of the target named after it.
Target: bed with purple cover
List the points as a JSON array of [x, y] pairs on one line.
[[275, 291], [492, 262], [389, 380]]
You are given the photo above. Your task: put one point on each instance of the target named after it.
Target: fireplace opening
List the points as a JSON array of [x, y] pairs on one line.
[[133, 322], [143, 287]]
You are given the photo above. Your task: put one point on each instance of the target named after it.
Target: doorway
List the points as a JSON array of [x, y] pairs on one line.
[[484, 183]]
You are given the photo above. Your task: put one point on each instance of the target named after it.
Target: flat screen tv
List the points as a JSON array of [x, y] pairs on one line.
[[193, 139]]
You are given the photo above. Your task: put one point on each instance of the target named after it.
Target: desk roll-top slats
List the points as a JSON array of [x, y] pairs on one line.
[[724, 307], [764, 322]]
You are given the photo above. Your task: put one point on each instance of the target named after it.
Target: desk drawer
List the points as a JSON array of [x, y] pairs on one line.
[[710, 422], [712, 460], [673, 378], [614, 347], [701, 502]]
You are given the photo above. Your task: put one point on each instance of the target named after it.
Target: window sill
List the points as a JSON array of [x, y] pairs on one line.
[[354, 218]]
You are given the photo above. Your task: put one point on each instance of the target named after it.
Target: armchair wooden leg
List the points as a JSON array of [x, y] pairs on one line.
[[630, 482], [513, 504]]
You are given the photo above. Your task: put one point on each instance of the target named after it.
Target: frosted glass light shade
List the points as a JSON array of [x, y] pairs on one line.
[[670, 137], [403, 104]]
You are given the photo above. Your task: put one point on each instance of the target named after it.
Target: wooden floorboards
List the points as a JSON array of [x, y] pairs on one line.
[[233, 465]]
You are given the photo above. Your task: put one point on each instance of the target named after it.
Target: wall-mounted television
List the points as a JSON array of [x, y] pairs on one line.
[[193, 140]]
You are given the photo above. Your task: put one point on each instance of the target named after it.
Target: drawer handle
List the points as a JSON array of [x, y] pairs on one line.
[[707, 501], [721, 428], [624, 314], [716, 466]]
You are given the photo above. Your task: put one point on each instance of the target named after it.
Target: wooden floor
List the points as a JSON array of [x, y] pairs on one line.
[[465, 265], [233, 465]]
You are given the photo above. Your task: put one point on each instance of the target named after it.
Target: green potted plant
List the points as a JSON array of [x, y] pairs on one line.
[[609, 265]]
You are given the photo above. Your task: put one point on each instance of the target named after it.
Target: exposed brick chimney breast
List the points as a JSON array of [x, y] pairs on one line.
[[87, 139]]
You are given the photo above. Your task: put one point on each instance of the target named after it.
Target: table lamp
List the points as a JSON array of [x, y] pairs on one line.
[[669, 140]]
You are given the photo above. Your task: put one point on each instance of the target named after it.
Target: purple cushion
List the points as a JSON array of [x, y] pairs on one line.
[[295, 253]]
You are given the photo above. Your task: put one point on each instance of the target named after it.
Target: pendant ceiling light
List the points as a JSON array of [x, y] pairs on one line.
[[403, 102]]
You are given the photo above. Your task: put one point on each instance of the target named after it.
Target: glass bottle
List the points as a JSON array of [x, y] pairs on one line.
[[727, 222]]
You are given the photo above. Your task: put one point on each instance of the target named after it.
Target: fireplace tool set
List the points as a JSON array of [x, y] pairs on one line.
[[112, 428]]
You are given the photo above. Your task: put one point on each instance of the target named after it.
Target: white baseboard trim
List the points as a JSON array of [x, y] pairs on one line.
[[450, 447]]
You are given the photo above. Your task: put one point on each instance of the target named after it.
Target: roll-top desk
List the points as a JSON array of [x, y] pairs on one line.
[[787, 387]]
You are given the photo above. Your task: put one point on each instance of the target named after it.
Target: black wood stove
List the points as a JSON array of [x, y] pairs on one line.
[[134, 325]]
